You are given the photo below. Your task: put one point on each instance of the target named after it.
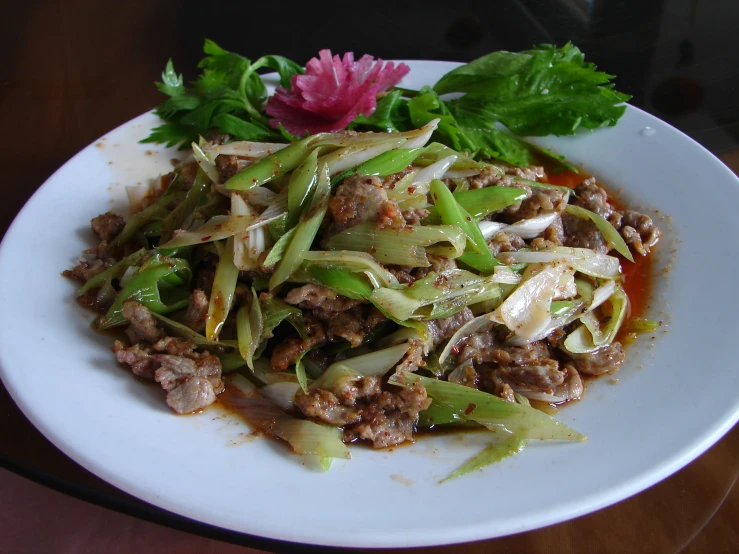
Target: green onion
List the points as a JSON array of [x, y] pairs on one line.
[[196, 197], [305, 231], [278, 250], [352, 261], [302, 184], [376, 363], [274, 165], [481, 202], [491, 454], [406, 247], [387, 163], [249, 328], [490, 411], [186, 333], [224, 287]]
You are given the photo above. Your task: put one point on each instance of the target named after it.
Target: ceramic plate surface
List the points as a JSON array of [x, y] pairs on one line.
[[676, 395]]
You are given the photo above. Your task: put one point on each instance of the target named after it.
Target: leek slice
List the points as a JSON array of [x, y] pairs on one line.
[[222, 295], [186, 333], [353, 261], [376, 363], [406, 247], [481, 202], [490, 411], [491, 454]]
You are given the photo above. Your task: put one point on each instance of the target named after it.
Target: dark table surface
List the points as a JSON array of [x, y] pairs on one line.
[[73, 70]]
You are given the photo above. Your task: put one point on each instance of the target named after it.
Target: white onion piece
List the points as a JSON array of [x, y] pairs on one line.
[[535, 256], [259, 197], [126, 277], [526, 310], [277, 207], [136, 195], [375, 363], [532, 228], [244, 148], [505, 275], [435, 171], [420, 139], [457, 173], [601, 294], [583, 260], [242, 257], [491, 228], [281, 394], [566, 287]]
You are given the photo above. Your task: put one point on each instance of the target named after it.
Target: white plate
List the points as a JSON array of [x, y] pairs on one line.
[[675, 397]]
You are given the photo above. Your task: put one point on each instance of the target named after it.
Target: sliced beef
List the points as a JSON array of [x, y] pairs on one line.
[[582, 233], [639, 232], [288, 351], [505, 242], [143, 327], [228, 165], [312, 297], [363, 198], [540, 201], [465, 375], [86, 270], [590, 196], [443, 328], [139, 359], [438, 265], [197, 310], [414, 215], [108, 226], [541, 375], [413, 359], [192, 383], [604, 360]]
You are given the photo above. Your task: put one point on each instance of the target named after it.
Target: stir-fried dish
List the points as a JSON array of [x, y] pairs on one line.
[[356, 286]]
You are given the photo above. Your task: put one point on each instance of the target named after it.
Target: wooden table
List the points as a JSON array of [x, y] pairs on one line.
[[71, 72]]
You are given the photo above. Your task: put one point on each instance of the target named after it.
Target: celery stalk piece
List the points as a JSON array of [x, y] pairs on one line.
[[304, 436], [274, 165], [222, 295], [609, 232], [480, 202], [300, 188], [493, 453], [249, 328], [352, 261], [305, 231], [344, 159], [405, 247], [490, 411], [278, 250]]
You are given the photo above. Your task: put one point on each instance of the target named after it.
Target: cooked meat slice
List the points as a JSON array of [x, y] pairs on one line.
[[502, 389], [443, 328], [311, 297], [541, 375], [287, 352], [390, 418], [414, 215], [604, 360], [197, 310], [362, 198], [86, 270], [540, 201], [143, 327], [489, 176], [572, 388], [139, 359], [325, 406], [639, 232], [107, 226], [485, 347], [582, 233], [413, 359], [401, 274], [174, 346], [590, 196], [505, 242], [466, 375], [228, 165], [194, 394]]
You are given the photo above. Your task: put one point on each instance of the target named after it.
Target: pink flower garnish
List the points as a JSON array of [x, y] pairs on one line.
[[332, 93]]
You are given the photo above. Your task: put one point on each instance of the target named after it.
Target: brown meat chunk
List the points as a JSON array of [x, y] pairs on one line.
[[540, 201], [505, 242], [590, 196], [86, 270], [438, 265], [542, 375], [311, 297], [192, 383], [604, 360], [414, 215], [107, 226], [228, 166], [363, 198], [582, 233], [443, 328], [197, 310], [639, 232], [143, 327], [287, 352], [192, 395], [139, 359]]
